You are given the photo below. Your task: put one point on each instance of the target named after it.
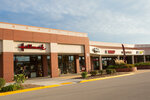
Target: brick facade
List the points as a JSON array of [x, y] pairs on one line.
[[6, 58], [7, 66]]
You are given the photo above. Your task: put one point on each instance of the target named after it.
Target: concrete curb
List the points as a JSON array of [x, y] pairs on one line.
[[89, 80], [26, 90], [57, 85]]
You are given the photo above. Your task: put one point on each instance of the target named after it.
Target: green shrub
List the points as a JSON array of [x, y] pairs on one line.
[[2, 83], [94, 73], [113, 71], [19, 78], [9, 88], [121, 66], [142, 64], [112, 66], [129, 65], [101, 72], [110, 71], [84, 74], [18, 86]]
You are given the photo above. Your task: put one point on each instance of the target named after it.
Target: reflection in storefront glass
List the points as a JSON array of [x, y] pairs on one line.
[[31, 66], [66, 64]]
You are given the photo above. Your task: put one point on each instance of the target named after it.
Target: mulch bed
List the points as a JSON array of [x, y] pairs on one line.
[[27, 86], [104, 75]]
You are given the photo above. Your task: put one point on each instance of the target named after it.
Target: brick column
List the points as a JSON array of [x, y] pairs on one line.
[[45, 65], [87, 58], [54, 65], [77, 64], [7, 66]]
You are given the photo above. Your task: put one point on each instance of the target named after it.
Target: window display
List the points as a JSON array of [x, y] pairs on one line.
[[31, 66]]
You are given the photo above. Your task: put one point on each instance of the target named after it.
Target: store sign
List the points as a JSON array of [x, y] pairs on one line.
[[29, 46], [96, 50], [139, 52], [127, 52], [109, 51]]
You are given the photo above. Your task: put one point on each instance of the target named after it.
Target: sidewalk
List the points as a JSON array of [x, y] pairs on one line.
[[45, 81]]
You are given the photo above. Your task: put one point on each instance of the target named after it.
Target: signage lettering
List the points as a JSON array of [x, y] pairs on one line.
[[96, 50], [29, 46], [127, 52], [111, 51]]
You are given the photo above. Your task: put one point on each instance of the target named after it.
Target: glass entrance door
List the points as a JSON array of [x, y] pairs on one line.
[[66, 64]]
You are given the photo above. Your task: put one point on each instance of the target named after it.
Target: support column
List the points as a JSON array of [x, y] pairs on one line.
[[144, 58], [7, 61], [77, 64], [7, 66], [118, 57], [92, 67], [87, 58], [54, 60], [54, 65], [45, 65], [100, 63], [132, 59]]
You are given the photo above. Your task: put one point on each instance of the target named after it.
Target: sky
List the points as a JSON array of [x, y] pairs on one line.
[[121, 21]]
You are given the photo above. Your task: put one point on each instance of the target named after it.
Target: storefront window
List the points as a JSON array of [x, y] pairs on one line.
[[82, 63], [49, 65], [129, 59], [66, 64], [138, 59], [31, 66], [106, 61], [147, 58], [95, 63]]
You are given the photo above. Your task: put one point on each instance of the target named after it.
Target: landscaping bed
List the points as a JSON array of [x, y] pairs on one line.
[[17, 85], [27, 86], [104, 75], [143, 65], [134, 69]]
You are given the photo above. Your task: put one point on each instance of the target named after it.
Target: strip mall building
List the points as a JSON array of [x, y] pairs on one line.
[[40, 52]]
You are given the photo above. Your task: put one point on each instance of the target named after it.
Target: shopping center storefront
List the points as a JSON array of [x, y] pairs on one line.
[[39, 52], [103, 55]]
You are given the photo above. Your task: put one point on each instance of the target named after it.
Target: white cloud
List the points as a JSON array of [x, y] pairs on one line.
[[96, 17]]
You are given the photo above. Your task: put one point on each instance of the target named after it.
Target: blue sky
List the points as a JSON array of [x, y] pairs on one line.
[[123, 21]]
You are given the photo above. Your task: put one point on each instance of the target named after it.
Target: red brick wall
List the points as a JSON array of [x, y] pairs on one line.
[[17, 35], [54, 65], [87, 58], [7, 66]]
